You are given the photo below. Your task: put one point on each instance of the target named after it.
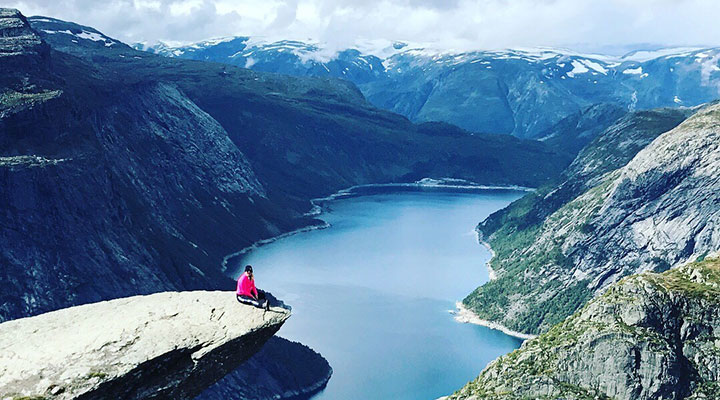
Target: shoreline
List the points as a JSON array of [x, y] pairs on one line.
[[464, 315], [492, 275], [443, 183], [308, 228], [316, 208]]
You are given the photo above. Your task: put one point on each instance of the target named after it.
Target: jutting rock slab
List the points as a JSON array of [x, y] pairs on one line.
[[164, 345]]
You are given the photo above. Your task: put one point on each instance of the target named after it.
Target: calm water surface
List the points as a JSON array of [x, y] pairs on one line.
[[372, 292]]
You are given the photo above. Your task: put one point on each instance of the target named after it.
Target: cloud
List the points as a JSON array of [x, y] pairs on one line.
[[451, 24]]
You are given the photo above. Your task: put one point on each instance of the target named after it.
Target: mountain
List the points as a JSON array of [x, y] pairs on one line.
[[113, 188], [307, 136], [557, 248], [520, 91], [610, 149], [146, 171], [577, 130], [649, 336]]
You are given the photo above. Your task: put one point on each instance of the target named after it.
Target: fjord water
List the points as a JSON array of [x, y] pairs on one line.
[[372, 292]]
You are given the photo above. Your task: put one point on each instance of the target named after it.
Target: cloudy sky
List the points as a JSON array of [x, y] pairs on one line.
[[588, 25]]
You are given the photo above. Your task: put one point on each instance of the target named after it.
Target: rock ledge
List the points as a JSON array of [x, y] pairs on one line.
[[164, 345]]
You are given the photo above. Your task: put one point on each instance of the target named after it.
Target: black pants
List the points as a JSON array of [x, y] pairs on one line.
[[259, 302]]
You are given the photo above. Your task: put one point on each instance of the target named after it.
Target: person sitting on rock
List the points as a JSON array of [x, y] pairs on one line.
[[247, 293]]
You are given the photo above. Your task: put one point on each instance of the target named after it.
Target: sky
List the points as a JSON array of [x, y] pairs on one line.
[[607, 26]]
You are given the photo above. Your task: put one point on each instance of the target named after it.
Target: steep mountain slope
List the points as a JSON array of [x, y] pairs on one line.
[[649, 336], [576, 131], [556, 249], [115, 189], [611, 149], [523, 92]]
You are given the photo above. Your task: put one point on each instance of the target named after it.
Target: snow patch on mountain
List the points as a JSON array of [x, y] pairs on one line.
[[578, 68], [633, 71], [94, 36]]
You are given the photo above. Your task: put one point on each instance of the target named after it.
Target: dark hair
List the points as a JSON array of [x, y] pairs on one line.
[[248, 268]]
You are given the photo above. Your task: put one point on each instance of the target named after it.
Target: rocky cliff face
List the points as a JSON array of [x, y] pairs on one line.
[[658, 210], [649, 336], [119, 193], [18, 40], [609, 149], [165, 345]]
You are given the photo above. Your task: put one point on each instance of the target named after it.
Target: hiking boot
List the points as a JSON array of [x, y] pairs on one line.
[[266, 306]]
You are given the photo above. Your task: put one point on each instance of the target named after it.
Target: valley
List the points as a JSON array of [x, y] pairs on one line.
[[359, 181]]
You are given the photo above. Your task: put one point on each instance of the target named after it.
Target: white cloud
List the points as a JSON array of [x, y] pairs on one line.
[[456, 24]]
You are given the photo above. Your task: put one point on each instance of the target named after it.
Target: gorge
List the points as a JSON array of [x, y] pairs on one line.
[[130, 180]]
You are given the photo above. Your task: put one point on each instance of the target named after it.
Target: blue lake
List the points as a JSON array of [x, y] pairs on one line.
[[373, 292]]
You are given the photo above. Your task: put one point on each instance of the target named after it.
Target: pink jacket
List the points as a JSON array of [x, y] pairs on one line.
[[246, 286]]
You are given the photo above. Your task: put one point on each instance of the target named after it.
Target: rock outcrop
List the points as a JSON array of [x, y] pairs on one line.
[[17, 39], [649, 336], [165, 345], [661, 209]]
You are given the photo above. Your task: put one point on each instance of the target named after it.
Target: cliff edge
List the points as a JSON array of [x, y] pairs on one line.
[[164, 345]]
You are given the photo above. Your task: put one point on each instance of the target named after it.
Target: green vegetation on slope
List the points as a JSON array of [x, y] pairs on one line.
[[519, 251]]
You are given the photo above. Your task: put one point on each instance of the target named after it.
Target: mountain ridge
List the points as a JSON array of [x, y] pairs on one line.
[[521, 91], [176, 149]]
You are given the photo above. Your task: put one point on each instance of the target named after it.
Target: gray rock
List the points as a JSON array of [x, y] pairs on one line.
[[16, 36], [650, 336], [165, 345]]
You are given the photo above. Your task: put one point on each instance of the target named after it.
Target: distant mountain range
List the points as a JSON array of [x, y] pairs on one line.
[[523, 91]]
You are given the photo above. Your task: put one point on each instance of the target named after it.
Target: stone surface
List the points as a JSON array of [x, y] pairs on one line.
[[16, 36], [649, 336], [165, 345]]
